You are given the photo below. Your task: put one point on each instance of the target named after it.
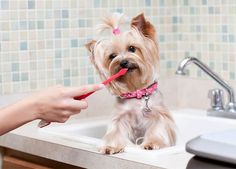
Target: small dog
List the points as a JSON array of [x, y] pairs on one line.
[[139, 116]]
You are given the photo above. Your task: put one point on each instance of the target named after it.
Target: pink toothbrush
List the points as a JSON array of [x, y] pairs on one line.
[[43, 123]]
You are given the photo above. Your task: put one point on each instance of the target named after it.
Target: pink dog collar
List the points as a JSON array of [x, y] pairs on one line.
[[140, 93]]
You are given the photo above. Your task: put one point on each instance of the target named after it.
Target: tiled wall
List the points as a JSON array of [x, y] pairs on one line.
[[207, 29], [41, 41]]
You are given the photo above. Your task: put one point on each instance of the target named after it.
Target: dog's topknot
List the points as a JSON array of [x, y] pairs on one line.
[[112, 22]]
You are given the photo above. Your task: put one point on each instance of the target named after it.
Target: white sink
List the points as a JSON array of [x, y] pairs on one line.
[[190, 123]]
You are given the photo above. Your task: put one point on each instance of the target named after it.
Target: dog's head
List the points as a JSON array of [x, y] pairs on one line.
[[135, 49]]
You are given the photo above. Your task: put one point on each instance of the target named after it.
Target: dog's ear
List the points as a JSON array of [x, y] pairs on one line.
[[90, 45], [145, 27]]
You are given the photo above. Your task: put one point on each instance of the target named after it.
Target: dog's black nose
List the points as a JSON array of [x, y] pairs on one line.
[[124, 63]]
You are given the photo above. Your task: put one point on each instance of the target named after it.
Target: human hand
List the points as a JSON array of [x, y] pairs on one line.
[[57, 104]]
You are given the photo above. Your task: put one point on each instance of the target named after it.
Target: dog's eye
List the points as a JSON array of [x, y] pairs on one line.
[[132, 49], [112, 56]]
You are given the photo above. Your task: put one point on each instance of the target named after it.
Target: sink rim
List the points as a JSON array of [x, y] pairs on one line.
[[62, 129]]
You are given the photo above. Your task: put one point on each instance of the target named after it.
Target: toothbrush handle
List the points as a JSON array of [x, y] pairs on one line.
[[43, 123], [83, 96]]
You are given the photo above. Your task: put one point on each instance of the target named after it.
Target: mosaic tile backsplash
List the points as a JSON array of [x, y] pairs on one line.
[[42, 41]]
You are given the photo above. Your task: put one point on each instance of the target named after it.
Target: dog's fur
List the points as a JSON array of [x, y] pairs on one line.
[[130, 122]]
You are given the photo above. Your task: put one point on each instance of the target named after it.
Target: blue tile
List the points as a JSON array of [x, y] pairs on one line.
[[82, 23], [186, 2], [174, 19], [212, 65], [119, 10], [23, 25], [74, 43], [231, 38], [49, 14], [14, 26], [224, 29], [192, 10], [81, 42], [82, 63], [204, 2], [23, 46], [65, 14], [211, 10], [31, 4], [161, 38], [161, 3], [66, 52], [58, 63], [65, 24], [66, 82], [168, 64], [224, 38], [4, 4], [96, 3], [90, 71], [90, 80], [186, 54], [180, 37], [15, 77], [162, 56], [40, 24], [57, 33], [199, 55], [147, 2], [58, 54], [232, 75], [225, 66], [74, 72], [31, 25], [15, 67], [66, 73], [24, 76]]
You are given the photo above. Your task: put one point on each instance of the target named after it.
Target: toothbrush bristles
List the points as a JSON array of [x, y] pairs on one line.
[[123, 71]]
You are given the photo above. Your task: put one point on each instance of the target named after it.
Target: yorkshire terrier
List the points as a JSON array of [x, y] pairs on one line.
[[139, 115]]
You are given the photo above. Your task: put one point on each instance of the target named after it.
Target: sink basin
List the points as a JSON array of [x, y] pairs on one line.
[[190, 123]]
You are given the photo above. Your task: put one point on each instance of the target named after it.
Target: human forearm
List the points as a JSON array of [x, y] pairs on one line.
[[16, 115], [54, 104]]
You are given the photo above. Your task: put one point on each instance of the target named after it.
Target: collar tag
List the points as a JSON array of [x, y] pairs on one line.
[[146, 109]]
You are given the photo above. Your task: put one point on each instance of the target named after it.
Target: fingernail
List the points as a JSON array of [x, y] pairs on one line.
[[101, 86]]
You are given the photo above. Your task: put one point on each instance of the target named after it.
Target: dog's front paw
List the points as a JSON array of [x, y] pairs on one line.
[[152, 145], [111, 150]]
